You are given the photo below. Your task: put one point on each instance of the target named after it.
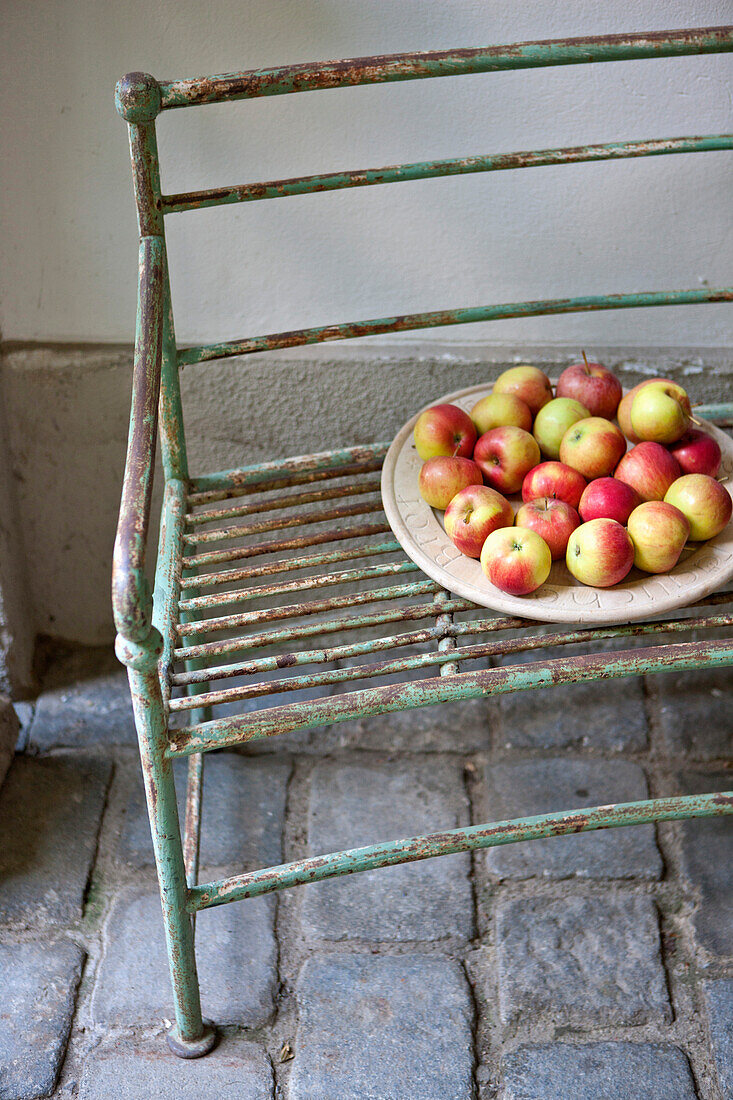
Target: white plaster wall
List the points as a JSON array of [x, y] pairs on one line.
[[69, 230]]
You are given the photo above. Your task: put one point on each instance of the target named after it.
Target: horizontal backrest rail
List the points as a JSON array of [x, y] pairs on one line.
[[314, 76], [439, 318], [453, 166]]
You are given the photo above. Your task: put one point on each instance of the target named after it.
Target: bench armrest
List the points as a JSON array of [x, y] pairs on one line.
[[131, 599]]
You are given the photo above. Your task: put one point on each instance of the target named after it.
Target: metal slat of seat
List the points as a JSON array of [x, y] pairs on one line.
[[282, 523], [434, 633], [271, 568], [446, 657], [223, 732], [284, 501], [304, 584], [409, 613]]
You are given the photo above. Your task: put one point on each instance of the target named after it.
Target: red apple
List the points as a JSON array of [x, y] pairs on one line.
[[593, 447], [473, 514], [600, 553], [650, 469], [659, 532], [529, 383], [442, 477], [554, 479], [608, 498], [697, 453], [553, 519], [623, 412], [704, 502], [505, 455], [593, 385], [444, 430], [660, 412], [498, 409], [516, 560]]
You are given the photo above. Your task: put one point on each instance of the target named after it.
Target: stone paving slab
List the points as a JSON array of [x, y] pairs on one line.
[[381, 1028], [607, 715], [563, 783], [243, 813], [9, 734], [707, 860], [597, 1071], [449, 727], [85, 701], [236, 956], [235, 1070], [38, 984], [719, 996], [581, 961], [696, 713], [50, 810], [357, 804], [24, 714]]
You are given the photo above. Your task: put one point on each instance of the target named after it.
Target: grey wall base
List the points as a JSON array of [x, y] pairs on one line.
[[67, 410]]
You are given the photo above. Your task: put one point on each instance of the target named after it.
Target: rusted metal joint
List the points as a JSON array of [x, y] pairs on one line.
[[138, 97], [142, 656]]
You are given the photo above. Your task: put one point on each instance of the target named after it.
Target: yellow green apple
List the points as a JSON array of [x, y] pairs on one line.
[[659, 532], [593, 447], [705, 503], [553, 420], [499, 409], [660, 412]]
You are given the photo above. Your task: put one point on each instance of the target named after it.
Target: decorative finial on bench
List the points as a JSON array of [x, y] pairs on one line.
[[137, 97]]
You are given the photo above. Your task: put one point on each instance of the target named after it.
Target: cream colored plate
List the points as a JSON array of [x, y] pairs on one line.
[[702, 569]]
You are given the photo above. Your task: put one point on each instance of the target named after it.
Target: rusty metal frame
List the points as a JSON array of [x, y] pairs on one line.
[[179, 642]]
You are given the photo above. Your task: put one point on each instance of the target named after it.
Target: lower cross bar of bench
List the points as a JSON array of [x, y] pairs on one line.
[[451, 841]]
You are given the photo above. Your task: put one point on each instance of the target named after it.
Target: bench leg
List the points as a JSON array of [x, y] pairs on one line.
[[190, 1036]]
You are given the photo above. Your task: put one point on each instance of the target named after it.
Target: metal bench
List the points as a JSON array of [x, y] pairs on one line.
[[303, 541]]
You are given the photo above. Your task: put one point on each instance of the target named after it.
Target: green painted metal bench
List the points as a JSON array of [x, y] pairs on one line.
[[191, 648]]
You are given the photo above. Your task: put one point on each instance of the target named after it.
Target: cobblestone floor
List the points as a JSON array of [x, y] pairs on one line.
[[594, 967]]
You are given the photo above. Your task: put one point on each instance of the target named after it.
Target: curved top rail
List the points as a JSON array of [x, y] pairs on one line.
[[312, 76]]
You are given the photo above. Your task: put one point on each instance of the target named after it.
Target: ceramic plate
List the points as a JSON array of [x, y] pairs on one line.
[[702, 569]]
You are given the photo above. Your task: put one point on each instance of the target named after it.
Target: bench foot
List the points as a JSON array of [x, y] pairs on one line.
[[192, 1048]]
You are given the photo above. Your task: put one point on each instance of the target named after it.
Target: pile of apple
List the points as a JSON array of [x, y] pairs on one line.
[[595, 504]]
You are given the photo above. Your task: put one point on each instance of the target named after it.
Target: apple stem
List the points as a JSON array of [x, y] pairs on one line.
[[585, 360], [722, 479], [458, 447], [696, 421]]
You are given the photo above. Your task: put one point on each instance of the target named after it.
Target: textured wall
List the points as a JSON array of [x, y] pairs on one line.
[[69, 228]]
